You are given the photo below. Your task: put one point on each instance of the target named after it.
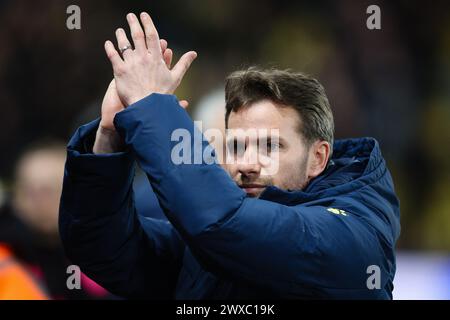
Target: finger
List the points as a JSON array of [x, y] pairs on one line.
[[183, 64], [166, 52], [137, 34], [122, 42], [163, 45], [184, 104], [113, 56], [167, 56], [151, 34]]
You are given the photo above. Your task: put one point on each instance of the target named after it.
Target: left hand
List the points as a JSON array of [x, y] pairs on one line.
[[143, 71]]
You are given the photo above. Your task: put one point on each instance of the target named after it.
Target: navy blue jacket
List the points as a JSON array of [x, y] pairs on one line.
[[218, 243]]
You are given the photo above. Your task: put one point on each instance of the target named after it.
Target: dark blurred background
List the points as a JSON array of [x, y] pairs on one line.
[[392, 84]]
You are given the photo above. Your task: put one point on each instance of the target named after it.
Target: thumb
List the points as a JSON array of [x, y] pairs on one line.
[[112, 84], [183, 65]]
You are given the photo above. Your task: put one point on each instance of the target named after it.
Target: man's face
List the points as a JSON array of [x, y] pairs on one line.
[[290, 151]]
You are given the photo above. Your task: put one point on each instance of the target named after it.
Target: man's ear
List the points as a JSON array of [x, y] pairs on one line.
[[319, 152]]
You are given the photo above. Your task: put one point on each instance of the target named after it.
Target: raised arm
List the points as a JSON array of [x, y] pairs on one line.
[[101, 231], [130, 255]]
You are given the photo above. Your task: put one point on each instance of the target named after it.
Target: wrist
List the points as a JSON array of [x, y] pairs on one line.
[[107, 141], [136, 98]]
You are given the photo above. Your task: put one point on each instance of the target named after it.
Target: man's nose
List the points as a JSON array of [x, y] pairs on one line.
[[249, 164]]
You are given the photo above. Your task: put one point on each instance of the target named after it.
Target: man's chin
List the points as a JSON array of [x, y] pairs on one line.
[[253, 192]]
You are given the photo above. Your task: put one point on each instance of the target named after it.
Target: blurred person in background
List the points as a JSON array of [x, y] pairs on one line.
[[210, 111], [29, 221]]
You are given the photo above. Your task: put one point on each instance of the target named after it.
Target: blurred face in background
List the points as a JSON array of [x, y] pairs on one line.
[[293, 154], [37, 190]]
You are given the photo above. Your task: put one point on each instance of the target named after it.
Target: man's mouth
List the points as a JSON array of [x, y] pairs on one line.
[[252, 189]]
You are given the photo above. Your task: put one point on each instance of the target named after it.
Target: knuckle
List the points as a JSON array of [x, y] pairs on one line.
[[113, 54], [152, 36], [141, 59], [139, 35], [119, 70], [147, 58]]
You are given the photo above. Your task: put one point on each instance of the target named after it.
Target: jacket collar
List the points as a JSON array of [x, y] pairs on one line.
[[355, 163]]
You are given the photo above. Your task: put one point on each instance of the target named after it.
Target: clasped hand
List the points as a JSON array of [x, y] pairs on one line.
[[142, 68]]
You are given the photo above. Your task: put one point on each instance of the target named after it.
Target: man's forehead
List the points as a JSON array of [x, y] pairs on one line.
[[265, 115], [253, 134]]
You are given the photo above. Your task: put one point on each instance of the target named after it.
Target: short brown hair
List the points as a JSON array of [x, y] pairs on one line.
[[284, 87]]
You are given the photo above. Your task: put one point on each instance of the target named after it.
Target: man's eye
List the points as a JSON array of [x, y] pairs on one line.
[[237, 148], [269, 147], [273, 146]]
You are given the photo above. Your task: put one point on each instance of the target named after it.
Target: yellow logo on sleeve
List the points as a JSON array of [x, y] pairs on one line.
[[337, 211]]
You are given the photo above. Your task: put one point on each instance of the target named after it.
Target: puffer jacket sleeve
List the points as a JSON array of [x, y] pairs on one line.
[[131, 256]]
